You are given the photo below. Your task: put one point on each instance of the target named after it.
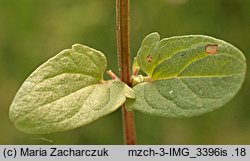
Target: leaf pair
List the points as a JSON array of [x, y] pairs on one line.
[[186, 76]]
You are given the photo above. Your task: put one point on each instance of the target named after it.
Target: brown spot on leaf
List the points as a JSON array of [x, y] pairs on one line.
[[149, 58], [211, 48]]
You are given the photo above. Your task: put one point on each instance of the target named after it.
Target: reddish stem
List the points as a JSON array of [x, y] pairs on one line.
[[123, 51]]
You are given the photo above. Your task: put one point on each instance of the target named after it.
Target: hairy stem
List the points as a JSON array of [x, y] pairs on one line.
[[123, 51]]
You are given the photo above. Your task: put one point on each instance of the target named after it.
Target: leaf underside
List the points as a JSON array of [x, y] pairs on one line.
[[66, 92], [186, 75]]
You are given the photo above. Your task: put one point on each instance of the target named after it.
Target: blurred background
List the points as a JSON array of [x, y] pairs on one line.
[[31, 31]]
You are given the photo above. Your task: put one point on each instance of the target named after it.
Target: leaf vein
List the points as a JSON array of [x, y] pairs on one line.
[[41, 106], [176, 52], [198, 58], [205, 76], [194, 92]]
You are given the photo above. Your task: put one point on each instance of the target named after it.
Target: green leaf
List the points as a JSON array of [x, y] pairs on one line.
[[187, 75], [66, 92]]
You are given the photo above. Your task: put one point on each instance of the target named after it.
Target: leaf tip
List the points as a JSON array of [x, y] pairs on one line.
[[153, 36], [77, 47]]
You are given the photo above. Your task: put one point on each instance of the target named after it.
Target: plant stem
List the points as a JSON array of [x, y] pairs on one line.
[[123, 51]]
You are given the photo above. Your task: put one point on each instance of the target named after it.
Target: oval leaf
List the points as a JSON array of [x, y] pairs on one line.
[[66, 92], [187, 75]]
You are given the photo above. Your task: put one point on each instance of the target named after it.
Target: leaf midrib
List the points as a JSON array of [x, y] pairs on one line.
[[54, 101], [192, 46], [205, 76]]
